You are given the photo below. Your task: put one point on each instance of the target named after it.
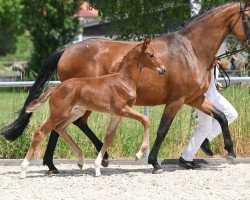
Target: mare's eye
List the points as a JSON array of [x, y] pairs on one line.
[[151, 55]]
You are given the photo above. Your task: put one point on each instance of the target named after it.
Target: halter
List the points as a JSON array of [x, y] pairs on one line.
[[245, 21], [246, 26]]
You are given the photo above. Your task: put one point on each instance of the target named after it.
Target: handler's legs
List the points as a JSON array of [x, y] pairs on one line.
[[201, 132]]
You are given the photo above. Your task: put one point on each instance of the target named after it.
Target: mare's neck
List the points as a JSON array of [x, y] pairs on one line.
[[207, 32], [131, 69]]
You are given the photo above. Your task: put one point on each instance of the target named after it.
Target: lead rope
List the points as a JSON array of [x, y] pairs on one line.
[[223, 74]]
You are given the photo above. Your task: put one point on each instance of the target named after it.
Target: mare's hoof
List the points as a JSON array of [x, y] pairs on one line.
[[52, 172], [105, 162], [231, 158], [157, 171]]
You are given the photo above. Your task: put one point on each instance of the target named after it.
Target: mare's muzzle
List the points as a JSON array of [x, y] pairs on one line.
[[161, 70]]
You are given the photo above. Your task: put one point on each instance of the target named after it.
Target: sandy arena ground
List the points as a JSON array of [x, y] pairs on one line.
[[127, 182]]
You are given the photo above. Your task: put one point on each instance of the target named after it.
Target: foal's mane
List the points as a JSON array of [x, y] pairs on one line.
[[126, 57]]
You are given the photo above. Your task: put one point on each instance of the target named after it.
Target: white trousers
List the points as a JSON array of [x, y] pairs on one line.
[[208, 127]]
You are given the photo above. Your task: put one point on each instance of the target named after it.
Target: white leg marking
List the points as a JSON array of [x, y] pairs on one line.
[[98, 165], [24, 168], [138, 155]]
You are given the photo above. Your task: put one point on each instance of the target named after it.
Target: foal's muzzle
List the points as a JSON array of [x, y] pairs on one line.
[[161, 70]]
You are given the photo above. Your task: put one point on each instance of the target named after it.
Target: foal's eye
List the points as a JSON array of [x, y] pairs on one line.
[[151, 55]]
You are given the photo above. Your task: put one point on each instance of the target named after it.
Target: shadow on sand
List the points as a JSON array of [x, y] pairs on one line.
[[110, 171]]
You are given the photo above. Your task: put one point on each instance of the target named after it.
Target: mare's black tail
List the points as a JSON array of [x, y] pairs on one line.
[[14, 130]]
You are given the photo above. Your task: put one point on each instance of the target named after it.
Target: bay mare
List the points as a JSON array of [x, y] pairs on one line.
[[113, 93], [188, 54]]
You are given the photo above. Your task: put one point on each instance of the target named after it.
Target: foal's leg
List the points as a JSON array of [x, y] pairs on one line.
[[81, 123], [63, 132], [168, 116], [114, 121], [204, 105], [37, 138], [130, 113]]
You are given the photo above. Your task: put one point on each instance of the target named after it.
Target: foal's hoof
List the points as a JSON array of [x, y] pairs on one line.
[[80, 163], [138, 156], [52, 172], [231, 158], [105, 162], [80, 166], [157, 171], [23, 175]]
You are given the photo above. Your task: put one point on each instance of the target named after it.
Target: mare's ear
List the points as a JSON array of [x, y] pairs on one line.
[[145, 44]]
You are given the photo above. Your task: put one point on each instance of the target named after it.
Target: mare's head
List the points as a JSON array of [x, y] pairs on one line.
[[240, 23], [147, 57]]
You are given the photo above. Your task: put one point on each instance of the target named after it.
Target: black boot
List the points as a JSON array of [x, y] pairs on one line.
[[187, 164], [205, 146]]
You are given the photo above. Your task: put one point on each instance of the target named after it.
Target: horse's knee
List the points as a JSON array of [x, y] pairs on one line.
[[146, 122], [38, 136], [144, 147]]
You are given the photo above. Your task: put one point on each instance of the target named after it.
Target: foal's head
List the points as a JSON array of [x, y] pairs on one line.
[[146, 57]]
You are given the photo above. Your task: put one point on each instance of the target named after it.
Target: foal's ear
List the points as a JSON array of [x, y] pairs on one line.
[[145, 44], [247, 4]]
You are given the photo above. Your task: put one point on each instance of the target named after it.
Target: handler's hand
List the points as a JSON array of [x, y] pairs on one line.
[[218, 86]]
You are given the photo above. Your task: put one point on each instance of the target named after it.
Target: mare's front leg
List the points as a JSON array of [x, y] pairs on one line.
[[204, 105], [168, 116], [114, 121]]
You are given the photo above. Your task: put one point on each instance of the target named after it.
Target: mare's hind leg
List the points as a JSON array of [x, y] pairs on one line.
[[114, 121], [37, 138], [204, 105]]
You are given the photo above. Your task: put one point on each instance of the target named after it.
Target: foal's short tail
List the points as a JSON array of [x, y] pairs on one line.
[[14, 130], [34, 105]]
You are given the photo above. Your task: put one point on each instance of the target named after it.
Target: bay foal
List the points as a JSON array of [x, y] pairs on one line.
[[114, 94]]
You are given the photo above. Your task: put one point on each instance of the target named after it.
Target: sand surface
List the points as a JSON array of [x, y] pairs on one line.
[[127, 182]]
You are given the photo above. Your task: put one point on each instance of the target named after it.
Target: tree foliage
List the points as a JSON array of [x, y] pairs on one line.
[[134, 19], [51, 24], [10, 26]]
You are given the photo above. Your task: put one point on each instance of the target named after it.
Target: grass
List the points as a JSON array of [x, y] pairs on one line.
[[129, 134]]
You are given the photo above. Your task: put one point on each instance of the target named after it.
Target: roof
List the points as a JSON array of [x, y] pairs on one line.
[[86, 11]]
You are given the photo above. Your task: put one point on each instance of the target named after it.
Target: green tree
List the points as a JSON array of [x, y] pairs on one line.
[[51, 24], [10, 25], [132, 19]]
